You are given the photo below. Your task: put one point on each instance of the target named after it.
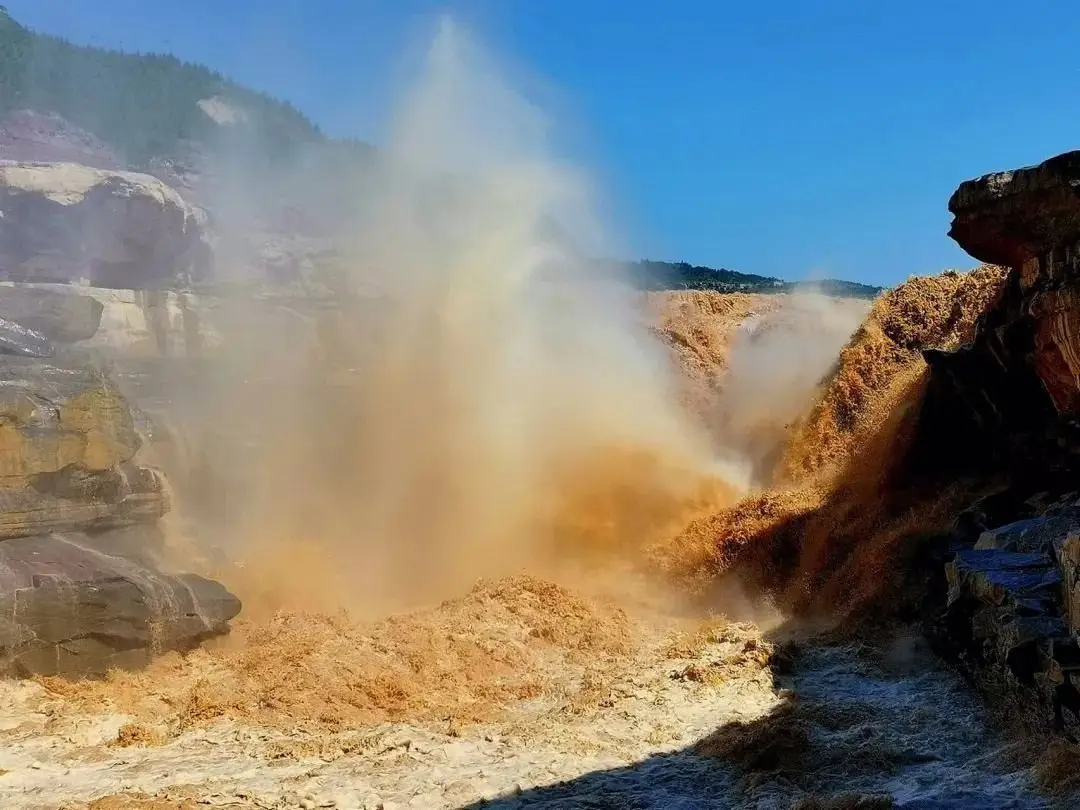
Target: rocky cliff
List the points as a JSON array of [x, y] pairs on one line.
[[83, 583], [1005, 407]]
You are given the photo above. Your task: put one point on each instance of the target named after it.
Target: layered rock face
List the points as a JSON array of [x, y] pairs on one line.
[[1006, 409], [64, 222], [82, 587]]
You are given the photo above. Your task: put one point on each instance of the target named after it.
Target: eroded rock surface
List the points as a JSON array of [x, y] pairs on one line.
[[1028, 220], [79, 603], [53, 417], [64, 222], [1007, 627]]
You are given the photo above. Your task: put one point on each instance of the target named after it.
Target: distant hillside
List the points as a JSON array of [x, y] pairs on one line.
[[655, 275], [142, 106]]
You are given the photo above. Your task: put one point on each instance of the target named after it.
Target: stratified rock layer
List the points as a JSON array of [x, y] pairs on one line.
[[64, 222], [81, 587], [1029, 220], [1009, 218], [1008, 623]]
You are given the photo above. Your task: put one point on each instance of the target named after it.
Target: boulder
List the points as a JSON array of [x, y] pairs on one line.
[[64, 222], [60, 315], [78, 603]]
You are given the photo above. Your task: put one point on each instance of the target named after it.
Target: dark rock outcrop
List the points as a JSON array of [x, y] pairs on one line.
[[1006, 408], [81, 604], [1010, 400], [63, 222], [1029, 220], [1005, 627]]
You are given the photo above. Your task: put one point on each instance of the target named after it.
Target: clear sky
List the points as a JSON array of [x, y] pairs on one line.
[[783, 137]]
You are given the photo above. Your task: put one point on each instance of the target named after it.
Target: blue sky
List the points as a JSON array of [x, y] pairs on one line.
[[784, 137]]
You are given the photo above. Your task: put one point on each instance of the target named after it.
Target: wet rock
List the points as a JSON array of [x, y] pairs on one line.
[[17, 339], [78, 604], [1005, 626], [63, 222], [82, 583], [1046, 533], [997, 577], [61, 316], [67, 440]]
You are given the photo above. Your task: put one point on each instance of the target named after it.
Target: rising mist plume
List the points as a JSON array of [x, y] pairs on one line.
[[480, 397], [483, 398]]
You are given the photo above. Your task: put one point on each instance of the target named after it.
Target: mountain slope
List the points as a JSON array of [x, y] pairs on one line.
[[142, 105]]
